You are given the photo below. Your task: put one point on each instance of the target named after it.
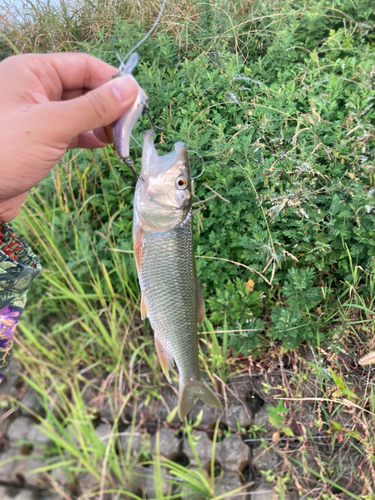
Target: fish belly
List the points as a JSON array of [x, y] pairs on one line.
[[169, 287]]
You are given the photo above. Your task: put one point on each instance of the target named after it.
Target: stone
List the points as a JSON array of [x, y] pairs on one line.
[[266, 459], [16, 494], [139, 443], [263, 491], [60, 476], [19, 429], [148, 482], [210, 414], [261, 418], [169, 444], [241, 385], [7, 469], [203, 448], [37, 436], [237, 415], [87, 482], [169, 401], [229, 482], [233, 454], [103, 432], [24, 468], [24, 429], [30, 402], [5, 422]]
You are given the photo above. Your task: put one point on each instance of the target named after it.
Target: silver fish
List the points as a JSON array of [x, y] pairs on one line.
[[171, 295], [119, 132]]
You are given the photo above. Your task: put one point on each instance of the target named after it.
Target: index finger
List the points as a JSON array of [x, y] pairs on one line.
[[77, 70]]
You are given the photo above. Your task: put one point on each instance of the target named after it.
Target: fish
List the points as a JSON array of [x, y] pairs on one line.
[[172, 298], [119, 132]]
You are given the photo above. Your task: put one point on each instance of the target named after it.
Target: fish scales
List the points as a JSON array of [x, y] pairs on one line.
[[168, 280]]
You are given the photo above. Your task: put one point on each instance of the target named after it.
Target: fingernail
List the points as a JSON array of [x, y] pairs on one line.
[[124, 88]]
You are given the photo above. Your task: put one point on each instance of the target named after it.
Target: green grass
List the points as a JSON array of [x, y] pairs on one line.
[[277, 97]]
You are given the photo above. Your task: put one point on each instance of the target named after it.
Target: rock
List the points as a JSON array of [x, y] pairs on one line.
[[139, 443], [261, 418], [264, 491], [37, 436], [60, 476], [210, 414], [20, 471], [5, 422], [229, 482], [24, 429], [31, 402], [16, 494], [241, 385], [169, 444], [203, 448], [168, 402], [238, 415], [266, 459], [19, 429], [7, 469], [87, 482], [24, 468], [233, 454], [103, 432], [147, 481]]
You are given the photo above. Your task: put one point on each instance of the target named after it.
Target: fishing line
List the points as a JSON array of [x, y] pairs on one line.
[[204, 166], [122, 61]]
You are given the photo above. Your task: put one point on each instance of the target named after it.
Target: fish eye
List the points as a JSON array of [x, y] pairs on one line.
[[181, 182]]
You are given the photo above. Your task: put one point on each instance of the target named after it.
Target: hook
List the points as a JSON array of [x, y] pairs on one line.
[[129, 163], [155, 127], [197, 176]]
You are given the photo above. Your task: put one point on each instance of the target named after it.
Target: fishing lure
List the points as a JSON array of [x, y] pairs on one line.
[[119, 132]]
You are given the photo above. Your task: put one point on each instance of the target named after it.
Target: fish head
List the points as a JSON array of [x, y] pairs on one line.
[[164, 190]]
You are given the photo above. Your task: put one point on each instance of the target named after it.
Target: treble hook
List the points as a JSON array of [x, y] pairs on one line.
[[153, 125], [129, 163]]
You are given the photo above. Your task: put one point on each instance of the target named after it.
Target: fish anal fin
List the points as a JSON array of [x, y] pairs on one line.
[[144, 310], [201, 308], [137, 243], [166, 360], [189, 390]]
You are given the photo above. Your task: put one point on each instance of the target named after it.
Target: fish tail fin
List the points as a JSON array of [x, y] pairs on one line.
[[195, 389]]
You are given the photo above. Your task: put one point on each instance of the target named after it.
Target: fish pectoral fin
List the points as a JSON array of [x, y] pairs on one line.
[[201, 308], [190, 390], [166, 360], [144, 310]]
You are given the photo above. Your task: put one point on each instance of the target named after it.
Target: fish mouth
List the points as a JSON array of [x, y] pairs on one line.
[[152, 163]]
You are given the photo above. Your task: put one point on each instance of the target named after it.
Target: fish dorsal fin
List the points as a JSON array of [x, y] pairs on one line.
[[166, 360], [201, 309], [144, 310]]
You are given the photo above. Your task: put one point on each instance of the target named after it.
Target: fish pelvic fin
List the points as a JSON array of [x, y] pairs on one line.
[[166, 360], [201, 309], [189, 390]]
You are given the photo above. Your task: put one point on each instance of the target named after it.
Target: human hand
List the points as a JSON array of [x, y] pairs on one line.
[[49, 103]]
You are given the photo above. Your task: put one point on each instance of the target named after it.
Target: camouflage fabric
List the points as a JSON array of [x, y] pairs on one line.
[[18, 267]]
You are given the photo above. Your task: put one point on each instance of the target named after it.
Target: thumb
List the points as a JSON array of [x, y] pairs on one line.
[[97, 108]]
